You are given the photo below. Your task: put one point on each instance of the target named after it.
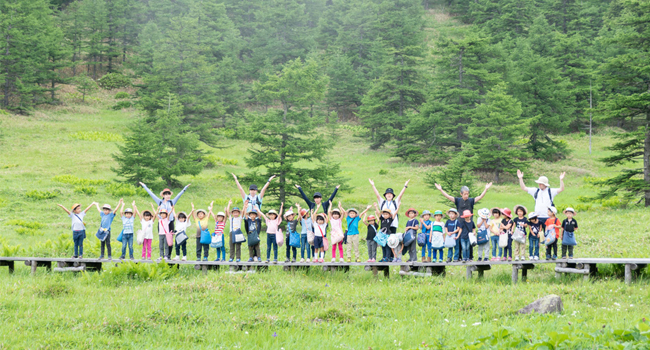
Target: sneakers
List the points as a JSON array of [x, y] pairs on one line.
[[250, 260], [275, 261], [293, 261], [122, 257], [176, 258], [74, 256], [479, 259], [321, 260], [259, 259], [315, 260], [510, 259], [358, 260], [80, 257], [268, 261], [531, 258], [448, 261], [286, 261], [302, 260], [440, 261], [516, 258], [503, 259], [230, 260], [570, 257], [342, 260], [554, 257], [564, 257], [548, 257], [333, 259], [536, 258], [101, 257]]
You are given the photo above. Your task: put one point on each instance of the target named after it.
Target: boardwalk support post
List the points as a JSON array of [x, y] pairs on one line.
[[524, 271], [9, 264]]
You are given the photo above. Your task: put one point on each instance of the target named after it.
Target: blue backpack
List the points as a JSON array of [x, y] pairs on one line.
[[482, 237]]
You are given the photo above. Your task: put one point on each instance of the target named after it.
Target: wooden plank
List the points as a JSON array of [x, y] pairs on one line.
[[571, 270], [70, 269]]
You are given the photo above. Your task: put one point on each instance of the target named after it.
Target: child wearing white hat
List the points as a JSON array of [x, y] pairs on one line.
[[107, 215], [218, 235], [273, 220]]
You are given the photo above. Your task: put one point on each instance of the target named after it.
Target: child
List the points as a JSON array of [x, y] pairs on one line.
[[235, 229], [182, 224], [292, 227], [552, 223], [385, 224], [371, 223], [569, 228], [202, 219], [219, 228], [146, 220], [305, 233], [166, 202], [412, 227], [320, 232], [253, 225], [506, 229], [482, 227], [163, 231], [105, 226], [273, 221], [334, 216], [495, 231], [352, 219], [78, 227], [425, 221], [452, 229], [521, 223], [537, 229], [437, 240], [127, 230], [467, 226]]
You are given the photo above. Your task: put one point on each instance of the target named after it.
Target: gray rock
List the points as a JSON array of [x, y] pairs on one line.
[[547, 304]]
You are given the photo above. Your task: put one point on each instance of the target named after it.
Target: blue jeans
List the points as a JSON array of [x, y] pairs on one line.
[[464, 242], [450, 253], [507, 251], [270, 241], [221, 253], [533, 245], [427, 246], [457, 250], [304, 245], [495, 245], [439, 251], [78, 238], [127, 240]]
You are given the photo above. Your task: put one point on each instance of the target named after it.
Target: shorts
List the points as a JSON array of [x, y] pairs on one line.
[[318, 242]]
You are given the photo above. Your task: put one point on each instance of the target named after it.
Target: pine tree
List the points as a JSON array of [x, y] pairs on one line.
[[496, 135], [159, 147]]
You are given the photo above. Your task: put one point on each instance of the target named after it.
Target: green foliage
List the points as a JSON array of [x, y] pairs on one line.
[[9, 166], [213, 161], [34, 225], [122, 105], [122, 95], [142, 272], [86, 189], [383, 172], [120, 190], [42, 195], [8, 250], [112, 81], [73, 180], [62, 245], [96, 136], [85, 85], [456, 174]]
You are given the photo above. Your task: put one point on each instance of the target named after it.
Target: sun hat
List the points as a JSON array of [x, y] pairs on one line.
[[236, 209], [74, 206], [532, 215], [569, 209], [128, 210], [321, 215], [392, 241], [272, 212], [252, 187], [289, 212], [221, 214], [507, 212], [411, 210], [467, 214], [163, 211], [354, 210], [386, 210], [254, 212], [437, 212], [484, 213], [183, 214], [389, 190], [553, 210], [166, 190], [336, 210], [425, 212], [107, 206], [452, 210], [372, 217], [202, 210], [514, 210], [318, 195], [303, 211], [543, 180]]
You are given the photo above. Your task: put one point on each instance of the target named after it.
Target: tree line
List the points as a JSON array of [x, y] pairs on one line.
[[490, 95]]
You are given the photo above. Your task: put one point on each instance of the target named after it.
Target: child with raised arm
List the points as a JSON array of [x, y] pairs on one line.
[[371, 223], [306, 234], [145, 236], [335, 219], [180, 240], [128, 222], [78, 227], [219, 228], [253, 225], [163, 231], [236, 234], [320, 232], [273, 220], [292, 230], [104, 231], [352, 219], [201, 217]]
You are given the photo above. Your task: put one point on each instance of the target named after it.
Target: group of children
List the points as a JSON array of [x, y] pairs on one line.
[[323, 230]]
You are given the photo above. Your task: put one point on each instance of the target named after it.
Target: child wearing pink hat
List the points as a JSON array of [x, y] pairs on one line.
[[506, 229]]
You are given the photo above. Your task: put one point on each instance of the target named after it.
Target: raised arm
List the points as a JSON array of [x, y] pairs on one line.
[[98, 208], [90, 206], [377, 212], [66, 210], [228, 209], [304, 196], [329, 210], [135, 210], [372, 183], [364, 212], [561, 183], [151, 194], [341, 208], [406, 185], [193, 213], [280, 213], [119, 204], [178, 196], [336, 189], [245, 208], [365, 221], [122, 210], [260, 213], [487, 186], [522, 185], [241, 190], [266, 185], [445, 193]]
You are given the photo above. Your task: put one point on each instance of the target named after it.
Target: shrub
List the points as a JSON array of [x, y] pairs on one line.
[[42, 195], [212, 161], [24, 231], [122, 95], [34, 225], [113, 81], [9, 166], [73, 180], [122, 105], [125, 190], [8, 250], [144, 272], [96, 136], [85, 189], [383, 172]]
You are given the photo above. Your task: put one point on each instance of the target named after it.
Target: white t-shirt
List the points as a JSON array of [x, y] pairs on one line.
[[320, 230], [543, 201], [392, 206], [182, 226], [77, 221], [235, 223], [147, 227]]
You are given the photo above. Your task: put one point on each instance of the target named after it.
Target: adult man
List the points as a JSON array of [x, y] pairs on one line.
[[318, 199], [254, 199], [390, 202], [543, 194]]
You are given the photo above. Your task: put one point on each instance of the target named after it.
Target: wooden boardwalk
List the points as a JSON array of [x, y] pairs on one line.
[[587, 267]]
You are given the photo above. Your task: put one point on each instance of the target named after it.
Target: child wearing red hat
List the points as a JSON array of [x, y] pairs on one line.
[[506, 229]]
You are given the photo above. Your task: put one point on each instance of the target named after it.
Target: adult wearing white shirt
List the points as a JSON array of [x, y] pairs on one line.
[[544, 195], [390, 202]]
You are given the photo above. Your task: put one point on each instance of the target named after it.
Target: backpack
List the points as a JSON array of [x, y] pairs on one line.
[[550, 196]]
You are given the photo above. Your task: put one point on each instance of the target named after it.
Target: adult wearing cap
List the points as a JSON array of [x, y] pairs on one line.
[[543, 194], [390, 202], [318, 199], [254, 199], [166, 202]]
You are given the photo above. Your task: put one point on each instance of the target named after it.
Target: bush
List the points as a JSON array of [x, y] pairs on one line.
[[122, 105], [144, 272], [8, 250], [34, 225], [383, 172], [73, 180], [122, 95], [125, 190], [42, 195], [96, 136], [212, 161], [87, 190], [113, 81], [9, 166], [24, 231]]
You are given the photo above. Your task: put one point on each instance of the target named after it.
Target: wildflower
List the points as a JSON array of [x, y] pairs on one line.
[[446, 320], [476, 324], [245, 332], [275, 334]]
